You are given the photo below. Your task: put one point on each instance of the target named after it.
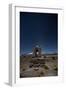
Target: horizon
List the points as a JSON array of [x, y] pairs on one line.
[[41, 53]]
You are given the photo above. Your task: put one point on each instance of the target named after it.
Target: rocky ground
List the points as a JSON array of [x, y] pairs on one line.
[[38, 67]]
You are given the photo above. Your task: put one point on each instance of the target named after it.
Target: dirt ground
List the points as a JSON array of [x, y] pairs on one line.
[[38, 67]]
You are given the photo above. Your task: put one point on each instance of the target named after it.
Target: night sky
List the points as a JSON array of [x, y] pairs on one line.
[[38, 29]]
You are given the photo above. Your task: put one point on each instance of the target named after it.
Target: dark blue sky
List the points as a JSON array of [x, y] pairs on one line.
[[38, 28]]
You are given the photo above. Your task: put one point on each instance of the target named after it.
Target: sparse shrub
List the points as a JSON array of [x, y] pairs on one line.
[[53, 58], [46, 67], [31, 66], [23, 69], [56, 69], [41, 73]]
